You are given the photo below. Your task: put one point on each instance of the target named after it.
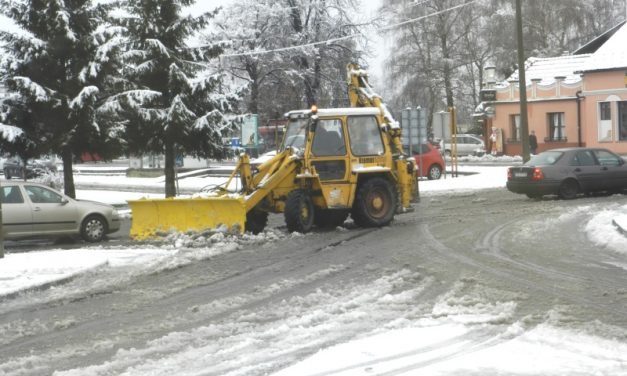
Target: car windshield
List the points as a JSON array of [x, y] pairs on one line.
[[545, 159], [295, 134]]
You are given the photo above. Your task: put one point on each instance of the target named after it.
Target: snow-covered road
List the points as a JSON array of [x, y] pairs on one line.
[[475, 282]]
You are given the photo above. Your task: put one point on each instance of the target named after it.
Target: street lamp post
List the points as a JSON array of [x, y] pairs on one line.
[[1, 232]]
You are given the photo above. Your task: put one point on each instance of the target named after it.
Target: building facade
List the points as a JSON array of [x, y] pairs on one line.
[[574, 100]]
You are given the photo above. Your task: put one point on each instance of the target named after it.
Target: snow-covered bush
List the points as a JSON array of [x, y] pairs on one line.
[[51, 179]]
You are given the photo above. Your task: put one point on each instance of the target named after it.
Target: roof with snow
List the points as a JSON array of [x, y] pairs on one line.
[[592, 46], [611, 55], [546, 69]]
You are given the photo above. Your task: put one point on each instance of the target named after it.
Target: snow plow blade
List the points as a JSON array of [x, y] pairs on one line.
[[152, 217]]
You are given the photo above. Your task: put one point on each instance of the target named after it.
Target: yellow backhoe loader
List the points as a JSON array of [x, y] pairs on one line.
[[332, 163]]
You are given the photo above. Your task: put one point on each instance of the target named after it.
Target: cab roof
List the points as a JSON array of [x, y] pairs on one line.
[[347, 111]]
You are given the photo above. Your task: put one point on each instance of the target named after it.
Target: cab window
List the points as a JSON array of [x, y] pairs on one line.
[[329, 138], [295, 134], [365, 136]]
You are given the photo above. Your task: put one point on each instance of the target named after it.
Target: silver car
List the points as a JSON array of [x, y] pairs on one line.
[[467, 144], [34, 210]]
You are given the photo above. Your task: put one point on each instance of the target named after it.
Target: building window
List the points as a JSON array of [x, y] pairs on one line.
[[557, 128], [605, 121], [622, 120], [515, 125]]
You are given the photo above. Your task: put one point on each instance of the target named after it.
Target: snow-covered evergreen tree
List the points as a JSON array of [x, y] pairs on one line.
[[175, 106], [55, 68]]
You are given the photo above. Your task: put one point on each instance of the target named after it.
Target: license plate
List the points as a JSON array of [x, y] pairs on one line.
[[520, 174]]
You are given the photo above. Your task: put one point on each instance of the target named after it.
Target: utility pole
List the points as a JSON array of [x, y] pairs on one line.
[[522, 84], [1, 231]]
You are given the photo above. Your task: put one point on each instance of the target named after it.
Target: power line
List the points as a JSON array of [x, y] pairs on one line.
[[383, 29], [350, 36]]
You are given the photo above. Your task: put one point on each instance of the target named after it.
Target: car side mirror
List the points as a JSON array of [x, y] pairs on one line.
[[64, 201]]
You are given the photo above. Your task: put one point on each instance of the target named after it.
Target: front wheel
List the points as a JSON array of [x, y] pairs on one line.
[[299, 212], [375, 203], [93, 228]]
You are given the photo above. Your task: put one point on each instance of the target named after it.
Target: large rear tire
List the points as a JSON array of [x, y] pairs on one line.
[[375, 203], [299, 212], [256, 221]]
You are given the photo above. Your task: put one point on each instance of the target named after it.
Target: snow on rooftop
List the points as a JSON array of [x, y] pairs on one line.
[[611, 55], [546, 69]]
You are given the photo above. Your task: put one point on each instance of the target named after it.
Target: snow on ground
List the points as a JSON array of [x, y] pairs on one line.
[[32, 268], [444, 343], [543, 350]]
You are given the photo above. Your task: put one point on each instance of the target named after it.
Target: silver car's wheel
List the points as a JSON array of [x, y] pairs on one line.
[[93, 228]]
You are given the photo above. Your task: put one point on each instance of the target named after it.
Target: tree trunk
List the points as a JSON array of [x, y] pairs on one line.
[[170, 186], [68, 176], [251, 68]]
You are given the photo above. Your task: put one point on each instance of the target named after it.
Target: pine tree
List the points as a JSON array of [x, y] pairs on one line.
[[54, 68], [170, 111]]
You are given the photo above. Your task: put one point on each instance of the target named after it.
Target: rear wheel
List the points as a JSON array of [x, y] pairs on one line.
[[569, 189], [256, 221], [375, 203], [299, 212], [93, 228], [435, 172], [7, 174], [327, 218]]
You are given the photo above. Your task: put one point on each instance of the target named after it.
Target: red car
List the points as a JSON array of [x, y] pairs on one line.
[[428, 159]]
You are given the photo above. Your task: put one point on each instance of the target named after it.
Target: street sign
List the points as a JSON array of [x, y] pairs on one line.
[[250, 137], [414, 126], [488, 95], [442, 125]]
